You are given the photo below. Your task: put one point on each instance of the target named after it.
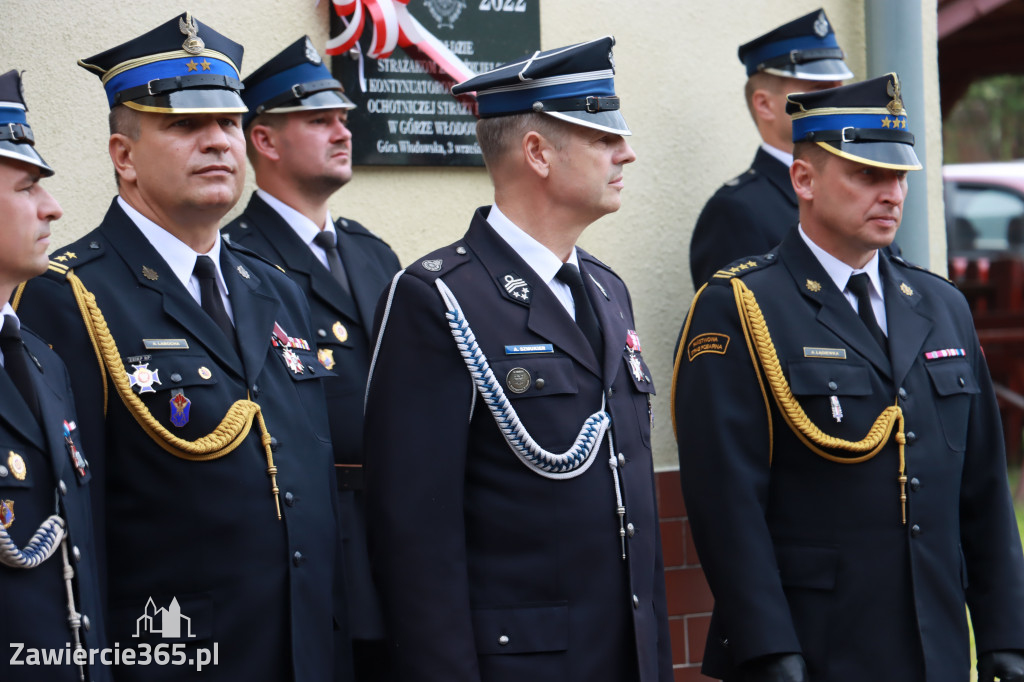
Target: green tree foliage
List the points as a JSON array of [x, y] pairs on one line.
[[987, 124]]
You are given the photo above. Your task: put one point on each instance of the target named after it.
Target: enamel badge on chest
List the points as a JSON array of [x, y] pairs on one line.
[[143, 378], [633, 346], [292, 360], [77, 460]]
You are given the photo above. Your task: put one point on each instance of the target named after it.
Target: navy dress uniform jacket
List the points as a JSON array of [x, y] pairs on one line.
[[204, 533], [750, 214], [34, 601], [489, 571], [808, 555], [342, 323]]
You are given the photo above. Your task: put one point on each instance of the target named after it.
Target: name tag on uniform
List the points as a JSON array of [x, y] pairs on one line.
[[831, 353], [165, 344], [529, 349]]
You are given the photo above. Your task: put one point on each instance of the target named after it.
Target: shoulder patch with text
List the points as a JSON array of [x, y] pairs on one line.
[[707, 343]]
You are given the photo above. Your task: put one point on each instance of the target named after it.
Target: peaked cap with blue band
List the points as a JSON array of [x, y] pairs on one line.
[[805, 48], [864, 122], [294, 80], [180, 67], [573, 83], [16, 139]]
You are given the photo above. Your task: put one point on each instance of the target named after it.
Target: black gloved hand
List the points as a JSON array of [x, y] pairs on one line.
[[776, 668], [1008, 666]]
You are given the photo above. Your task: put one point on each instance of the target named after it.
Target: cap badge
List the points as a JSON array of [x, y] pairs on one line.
[[895, 107], [193, 43], [311, 54], [813, 286], [821, 26]]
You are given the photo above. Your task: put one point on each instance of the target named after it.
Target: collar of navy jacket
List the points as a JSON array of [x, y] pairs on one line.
[[776, 172], [253, 302], [548, 317], [48, 436], [908, 325], [296, 256]]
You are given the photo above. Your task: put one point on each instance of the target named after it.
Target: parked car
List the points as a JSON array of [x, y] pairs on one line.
[[984, 209]]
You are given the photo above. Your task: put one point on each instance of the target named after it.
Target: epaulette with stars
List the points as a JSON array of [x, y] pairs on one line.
[[73, 256], [744, 267]]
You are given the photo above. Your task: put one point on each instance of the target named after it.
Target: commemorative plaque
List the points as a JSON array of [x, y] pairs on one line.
[[398, 59]]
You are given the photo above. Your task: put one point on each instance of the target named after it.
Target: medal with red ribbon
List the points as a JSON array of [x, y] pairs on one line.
[[635, 366], [632, 341], [77, 460]]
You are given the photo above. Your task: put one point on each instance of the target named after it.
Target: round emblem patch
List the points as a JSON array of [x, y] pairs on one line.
[[518, 380], [205, 373], [340, 332]]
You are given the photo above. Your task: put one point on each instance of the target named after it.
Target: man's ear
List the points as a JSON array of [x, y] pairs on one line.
[[264, 140], [537, 153], [763, 104], [120, 148], [803, 174]]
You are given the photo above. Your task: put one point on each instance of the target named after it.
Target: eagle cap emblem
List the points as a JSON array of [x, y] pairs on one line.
[[311, 54], [821, 26], [892, 88], [193, 43]]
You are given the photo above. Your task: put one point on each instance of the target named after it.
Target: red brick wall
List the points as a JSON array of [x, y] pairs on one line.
[[689, 598]]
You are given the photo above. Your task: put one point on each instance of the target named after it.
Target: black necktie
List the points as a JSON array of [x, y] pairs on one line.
[[16, 364], [209, 295], [585, 317], [859, 285], [327, 241]]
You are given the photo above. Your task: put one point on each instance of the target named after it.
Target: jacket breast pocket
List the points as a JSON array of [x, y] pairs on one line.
[[302, 365], [822, 377], [536, 376], [954, 384]]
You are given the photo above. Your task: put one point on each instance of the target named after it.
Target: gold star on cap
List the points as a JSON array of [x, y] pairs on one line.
[[205, 64], [192, 66], [886, 121], [813, 286]]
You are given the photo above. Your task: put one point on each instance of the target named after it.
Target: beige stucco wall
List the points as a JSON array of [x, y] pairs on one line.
[[677, 73]]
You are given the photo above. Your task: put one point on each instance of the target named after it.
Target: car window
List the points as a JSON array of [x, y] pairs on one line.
[[986, 218]]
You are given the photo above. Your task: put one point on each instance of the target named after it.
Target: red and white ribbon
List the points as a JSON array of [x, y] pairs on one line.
[[393, 26]]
